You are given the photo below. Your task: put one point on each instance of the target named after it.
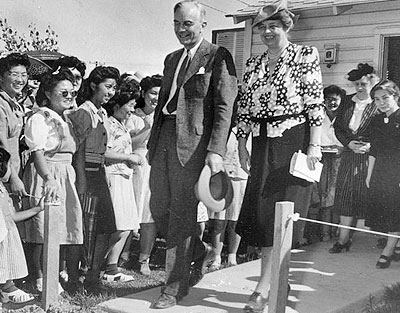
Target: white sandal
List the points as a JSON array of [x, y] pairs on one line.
[[121, 277], [17, 296], [39, 286]]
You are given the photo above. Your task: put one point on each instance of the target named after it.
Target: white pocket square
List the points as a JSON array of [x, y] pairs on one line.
[[201, 70]]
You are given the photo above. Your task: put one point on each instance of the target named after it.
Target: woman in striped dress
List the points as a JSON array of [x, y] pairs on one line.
[[353, 118]]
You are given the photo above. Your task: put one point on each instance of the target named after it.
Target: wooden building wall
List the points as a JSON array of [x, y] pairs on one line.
[[359, 30]]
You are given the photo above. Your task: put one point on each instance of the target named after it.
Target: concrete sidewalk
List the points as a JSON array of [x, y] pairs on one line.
[[321, 283]]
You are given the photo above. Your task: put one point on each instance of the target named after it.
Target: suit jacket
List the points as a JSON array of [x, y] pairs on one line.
[[205, 102], [345, 111]]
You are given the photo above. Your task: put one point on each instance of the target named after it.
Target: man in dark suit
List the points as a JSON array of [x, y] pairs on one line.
[[191, 126]]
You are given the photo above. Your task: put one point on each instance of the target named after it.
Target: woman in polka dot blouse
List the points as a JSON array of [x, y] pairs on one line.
[[282, 108]]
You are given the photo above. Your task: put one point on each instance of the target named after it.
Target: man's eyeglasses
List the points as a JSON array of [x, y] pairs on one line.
[[15, 75], [65, 93], [185, 24]]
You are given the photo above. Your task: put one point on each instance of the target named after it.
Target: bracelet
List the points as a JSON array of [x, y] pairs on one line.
[[314, 145]]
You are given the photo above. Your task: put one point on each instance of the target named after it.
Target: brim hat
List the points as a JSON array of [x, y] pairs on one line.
[[215, 191], [361, 70], [270, 10]]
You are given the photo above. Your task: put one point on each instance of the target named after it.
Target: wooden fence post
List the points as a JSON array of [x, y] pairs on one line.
[[281, 257], [51, 256]]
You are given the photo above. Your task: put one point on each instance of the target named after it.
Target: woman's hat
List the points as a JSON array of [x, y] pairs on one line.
[[215, 191], [270, 10], [361, 70]]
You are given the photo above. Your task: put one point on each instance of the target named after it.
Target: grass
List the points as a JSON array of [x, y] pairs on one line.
[[388, 303], [86, 303]]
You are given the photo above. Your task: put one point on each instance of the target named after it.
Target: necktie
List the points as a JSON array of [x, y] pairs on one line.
[[172, 105], [182, 71]]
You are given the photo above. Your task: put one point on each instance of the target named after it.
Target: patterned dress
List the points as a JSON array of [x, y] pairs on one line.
[[46, 130], [119, 178], [277, 108]]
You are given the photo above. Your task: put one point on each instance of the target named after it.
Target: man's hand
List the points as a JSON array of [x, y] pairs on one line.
[[215, 162]]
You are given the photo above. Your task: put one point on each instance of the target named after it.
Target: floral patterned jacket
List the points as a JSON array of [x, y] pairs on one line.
[[289, 96]]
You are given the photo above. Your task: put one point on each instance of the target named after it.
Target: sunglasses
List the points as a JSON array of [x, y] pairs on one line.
[[65, 93]]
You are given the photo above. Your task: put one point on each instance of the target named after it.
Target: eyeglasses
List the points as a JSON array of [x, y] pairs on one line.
[[65, 93], [15, 75], [185, 24]]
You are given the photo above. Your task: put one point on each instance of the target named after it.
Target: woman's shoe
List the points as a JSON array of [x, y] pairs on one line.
[[215, 266], [17, 296], [256, 303], [396, 254], [338, 248], [145, 268], [382, 265], [119, 277]]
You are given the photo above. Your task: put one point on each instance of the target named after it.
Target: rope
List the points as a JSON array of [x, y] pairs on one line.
[[296, 217]]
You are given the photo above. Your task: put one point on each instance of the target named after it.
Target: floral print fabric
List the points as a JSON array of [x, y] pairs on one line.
[[292, 91]]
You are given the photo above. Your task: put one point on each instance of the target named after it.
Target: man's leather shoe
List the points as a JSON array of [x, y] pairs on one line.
[[199, 267], [164, 301]]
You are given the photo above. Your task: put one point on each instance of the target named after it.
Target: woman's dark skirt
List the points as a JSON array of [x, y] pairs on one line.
[[270, 182], [97, 186], [351, 190]]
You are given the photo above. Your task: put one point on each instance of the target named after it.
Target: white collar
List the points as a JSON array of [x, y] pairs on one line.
[[193, 50]]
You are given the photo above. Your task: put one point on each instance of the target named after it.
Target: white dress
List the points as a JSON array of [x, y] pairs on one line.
[[139, 124], [119, 178], [47, 131]]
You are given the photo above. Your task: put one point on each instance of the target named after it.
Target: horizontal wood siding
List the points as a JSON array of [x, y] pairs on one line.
[[233, 40], [355, 31]]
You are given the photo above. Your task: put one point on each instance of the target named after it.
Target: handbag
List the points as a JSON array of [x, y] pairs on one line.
[[299, 167]]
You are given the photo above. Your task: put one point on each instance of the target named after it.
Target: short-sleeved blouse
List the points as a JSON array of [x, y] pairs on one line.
[[293, 90], [11, 123], [46, 130], [90, 125], [119, 140], [137, 124]]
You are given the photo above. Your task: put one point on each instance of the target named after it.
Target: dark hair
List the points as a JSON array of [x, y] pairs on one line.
[[146, 84], [120, 99], [14, 59], [4, 158], [284, 16], [49, 81], [128, 83], [97, 76], [386, 85], [70, 62], [334, 90], [362, 69]]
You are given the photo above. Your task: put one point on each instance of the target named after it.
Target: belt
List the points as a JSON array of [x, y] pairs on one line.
[[93, 167], [280, 118], [170, 117]]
